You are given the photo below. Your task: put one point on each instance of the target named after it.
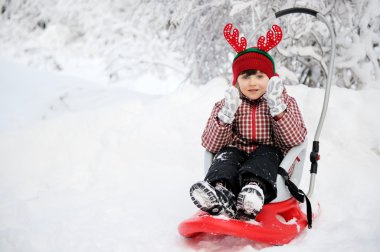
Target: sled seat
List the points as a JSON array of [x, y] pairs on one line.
[[278, 223], [292, 163]]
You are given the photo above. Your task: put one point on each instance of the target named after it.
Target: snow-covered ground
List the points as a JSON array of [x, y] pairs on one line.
[[93, 167]]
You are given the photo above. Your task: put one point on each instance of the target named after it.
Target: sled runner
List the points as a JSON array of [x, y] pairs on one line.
[[280, 221]]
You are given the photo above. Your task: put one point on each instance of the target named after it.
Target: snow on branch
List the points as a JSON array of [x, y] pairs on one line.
[[121, 39]]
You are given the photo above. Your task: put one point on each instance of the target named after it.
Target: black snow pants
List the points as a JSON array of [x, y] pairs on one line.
[[232, 166]]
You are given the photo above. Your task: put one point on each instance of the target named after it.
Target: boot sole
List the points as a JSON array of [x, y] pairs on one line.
[[205, 198]]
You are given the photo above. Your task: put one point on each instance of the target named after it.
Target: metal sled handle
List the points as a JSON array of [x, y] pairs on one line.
[[314, 156], [296, 10]]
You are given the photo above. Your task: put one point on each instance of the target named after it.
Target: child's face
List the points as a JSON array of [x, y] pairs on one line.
[[253, 86]]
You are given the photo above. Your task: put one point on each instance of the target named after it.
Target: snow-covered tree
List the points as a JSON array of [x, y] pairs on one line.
[[118, 39], [305, 51]]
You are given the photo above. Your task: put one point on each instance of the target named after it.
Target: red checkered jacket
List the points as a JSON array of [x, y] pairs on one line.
[[253, 126]]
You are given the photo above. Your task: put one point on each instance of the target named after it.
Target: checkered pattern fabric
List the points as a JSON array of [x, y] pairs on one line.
[[253, 126]]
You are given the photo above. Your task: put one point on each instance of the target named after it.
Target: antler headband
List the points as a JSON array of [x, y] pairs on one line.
[[272, 39]]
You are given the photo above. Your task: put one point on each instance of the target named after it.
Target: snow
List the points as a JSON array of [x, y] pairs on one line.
[[87, 166]]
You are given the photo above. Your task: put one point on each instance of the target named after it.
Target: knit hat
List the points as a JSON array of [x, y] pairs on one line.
[[253, 57]]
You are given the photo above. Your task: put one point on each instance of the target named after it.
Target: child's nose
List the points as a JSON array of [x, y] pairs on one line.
[[252, 81]]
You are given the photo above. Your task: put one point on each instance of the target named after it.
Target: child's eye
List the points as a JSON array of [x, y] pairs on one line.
[[245, 76], [259, 76]]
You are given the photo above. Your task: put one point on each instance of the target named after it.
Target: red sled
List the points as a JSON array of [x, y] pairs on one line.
[[277, 224]]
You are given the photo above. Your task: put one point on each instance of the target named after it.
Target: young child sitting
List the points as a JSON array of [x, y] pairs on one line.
[[249, 131]]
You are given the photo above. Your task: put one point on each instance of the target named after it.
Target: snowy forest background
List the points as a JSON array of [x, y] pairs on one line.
[[103, 102], [114, 40]]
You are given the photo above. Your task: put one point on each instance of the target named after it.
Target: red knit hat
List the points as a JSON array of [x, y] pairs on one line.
[[254, 57]]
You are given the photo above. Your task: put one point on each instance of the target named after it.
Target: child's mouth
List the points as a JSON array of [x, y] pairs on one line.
[[253, 90]]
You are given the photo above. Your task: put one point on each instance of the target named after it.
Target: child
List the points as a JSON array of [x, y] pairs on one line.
[[249, 131]]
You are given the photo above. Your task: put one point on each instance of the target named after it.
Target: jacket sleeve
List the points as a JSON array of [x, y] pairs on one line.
[[290, 129], [216, 134]]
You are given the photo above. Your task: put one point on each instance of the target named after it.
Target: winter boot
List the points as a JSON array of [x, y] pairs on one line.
[[250, 201], [214, 200]]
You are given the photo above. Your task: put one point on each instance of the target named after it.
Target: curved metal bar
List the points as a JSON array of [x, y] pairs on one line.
[[327, 95], [329, 77], [330, 71], [296, 10]]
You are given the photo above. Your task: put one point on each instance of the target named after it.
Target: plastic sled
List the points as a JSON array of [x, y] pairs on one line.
[[277, 224], [280, 221]]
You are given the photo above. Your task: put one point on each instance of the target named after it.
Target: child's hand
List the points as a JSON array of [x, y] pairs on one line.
[[232, 102], [273, 96]]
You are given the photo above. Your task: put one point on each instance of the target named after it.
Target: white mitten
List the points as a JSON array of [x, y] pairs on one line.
[[273, 96], [232, 102]]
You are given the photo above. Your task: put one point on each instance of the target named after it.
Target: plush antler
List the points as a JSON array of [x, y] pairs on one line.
[[233, 39], [273, 38]]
